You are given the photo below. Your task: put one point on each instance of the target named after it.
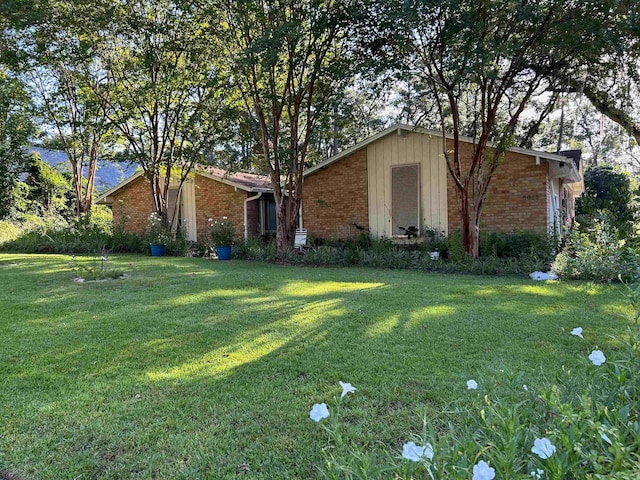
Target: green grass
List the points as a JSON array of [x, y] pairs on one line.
[[191, 367]]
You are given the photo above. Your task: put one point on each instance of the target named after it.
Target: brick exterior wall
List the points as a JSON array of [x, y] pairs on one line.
[[216, 200], [517, 198], [337, 197], [132, 206]]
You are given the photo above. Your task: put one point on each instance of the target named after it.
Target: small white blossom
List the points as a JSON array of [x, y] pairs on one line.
[[543, 447], [319, 411], [472, 384], [525, 388], [224, 218], [415, 453], [346, 388], [482, 471], [577, 332], [537, 474], [597, 358]]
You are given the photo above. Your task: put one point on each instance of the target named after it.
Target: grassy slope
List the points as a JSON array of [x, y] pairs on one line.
[[191, 367]]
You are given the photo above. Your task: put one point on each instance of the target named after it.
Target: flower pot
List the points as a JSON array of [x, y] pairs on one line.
[[223, 253], [157, 249]]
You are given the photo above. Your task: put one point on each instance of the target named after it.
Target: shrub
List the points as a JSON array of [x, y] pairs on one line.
[[222, 232], [610, 192], [597, 255]]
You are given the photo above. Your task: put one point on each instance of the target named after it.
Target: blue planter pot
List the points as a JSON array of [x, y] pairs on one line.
[[223, 253], [157, 250]]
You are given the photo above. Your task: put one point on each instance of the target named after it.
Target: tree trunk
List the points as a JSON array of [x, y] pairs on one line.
[[287, 211], [470, 218]]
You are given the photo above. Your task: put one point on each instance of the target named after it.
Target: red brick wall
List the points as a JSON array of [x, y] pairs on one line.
[[517, 198], [215, 200], [132, 206], [336, 197]]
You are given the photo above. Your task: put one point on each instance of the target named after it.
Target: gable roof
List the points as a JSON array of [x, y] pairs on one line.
[[249, 182], [399, 128]]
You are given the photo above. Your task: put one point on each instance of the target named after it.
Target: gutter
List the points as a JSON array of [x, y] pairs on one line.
[[246, 223]]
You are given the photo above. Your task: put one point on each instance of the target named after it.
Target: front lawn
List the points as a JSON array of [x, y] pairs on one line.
[[192, 368]]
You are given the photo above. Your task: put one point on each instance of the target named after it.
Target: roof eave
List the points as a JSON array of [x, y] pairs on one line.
[[436, 133]]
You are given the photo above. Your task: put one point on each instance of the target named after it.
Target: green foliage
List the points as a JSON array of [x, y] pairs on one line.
[[610, 192], [597, 254], [15, 129], [159, 232], [365, 251], [591, 416], [222, 232], [49, 190]]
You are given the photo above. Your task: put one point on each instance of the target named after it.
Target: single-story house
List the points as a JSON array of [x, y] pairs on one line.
[[384, 184], [208, 193], [398, 179]]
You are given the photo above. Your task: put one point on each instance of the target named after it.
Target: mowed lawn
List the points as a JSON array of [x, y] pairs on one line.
[[193, 368]]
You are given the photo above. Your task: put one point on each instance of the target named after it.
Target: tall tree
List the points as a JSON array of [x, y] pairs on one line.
[[15, 129], [475, 59], [163, 88], [290, 62]]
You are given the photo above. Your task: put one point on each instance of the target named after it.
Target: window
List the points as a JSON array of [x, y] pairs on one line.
[[405, 198], [267, 216]]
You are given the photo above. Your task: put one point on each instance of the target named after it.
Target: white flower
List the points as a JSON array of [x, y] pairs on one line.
[[472, 384], [597, 358], [525, 388], [537, 475], [577, 332], [346, 388], [543, 447], [319, 411], [224, 218], [605, 437], [210, 220], [415, 453], [482, 471]]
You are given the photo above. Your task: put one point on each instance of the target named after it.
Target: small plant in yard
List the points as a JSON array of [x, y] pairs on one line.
[[222, 232], [159, 232], [98, 267], [586, 424]]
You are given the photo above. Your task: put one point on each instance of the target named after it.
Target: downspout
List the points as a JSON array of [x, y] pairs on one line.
[[246, 222]]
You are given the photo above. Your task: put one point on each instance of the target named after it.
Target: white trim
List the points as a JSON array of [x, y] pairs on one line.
[[399, 128]]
